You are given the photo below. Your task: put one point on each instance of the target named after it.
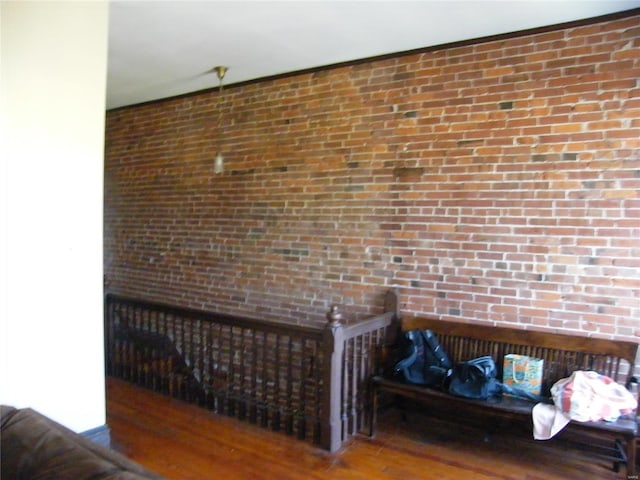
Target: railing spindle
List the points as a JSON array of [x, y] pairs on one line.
[[264, 397]]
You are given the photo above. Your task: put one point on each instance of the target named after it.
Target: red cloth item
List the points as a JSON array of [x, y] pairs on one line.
[[589, 397], [585, 396]]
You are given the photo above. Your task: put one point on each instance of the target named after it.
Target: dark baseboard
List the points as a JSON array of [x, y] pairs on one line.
[[100, 435]]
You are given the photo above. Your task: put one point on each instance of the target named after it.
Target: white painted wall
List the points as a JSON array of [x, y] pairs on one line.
[[53, 63]]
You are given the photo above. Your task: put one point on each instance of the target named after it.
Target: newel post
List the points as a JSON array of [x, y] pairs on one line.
[[333, 346]]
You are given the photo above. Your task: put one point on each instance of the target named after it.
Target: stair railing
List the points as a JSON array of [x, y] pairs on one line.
[[308, 382]]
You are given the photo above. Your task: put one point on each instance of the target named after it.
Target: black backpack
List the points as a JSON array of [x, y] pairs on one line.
[[424, 361], [475, 379]]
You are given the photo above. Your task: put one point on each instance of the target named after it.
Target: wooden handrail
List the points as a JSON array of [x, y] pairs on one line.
[[366, 325], [222, 318]]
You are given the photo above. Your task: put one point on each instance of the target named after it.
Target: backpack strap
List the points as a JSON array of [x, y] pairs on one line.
[[434, 345], [412, 367]]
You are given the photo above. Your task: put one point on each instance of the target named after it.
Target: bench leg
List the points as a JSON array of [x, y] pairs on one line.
[[631, 456]]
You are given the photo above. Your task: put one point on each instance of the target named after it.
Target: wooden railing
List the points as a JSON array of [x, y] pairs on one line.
[[308, 382]]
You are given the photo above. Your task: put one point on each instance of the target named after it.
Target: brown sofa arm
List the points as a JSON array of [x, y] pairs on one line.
[[36, 447]]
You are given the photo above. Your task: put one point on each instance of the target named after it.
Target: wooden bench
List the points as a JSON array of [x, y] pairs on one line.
[[562, 355]]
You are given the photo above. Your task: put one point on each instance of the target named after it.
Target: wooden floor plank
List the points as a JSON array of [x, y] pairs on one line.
[[186, 442]]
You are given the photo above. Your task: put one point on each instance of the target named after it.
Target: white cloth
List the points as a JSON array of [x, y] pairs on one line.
[[547, 421], [583, 397]]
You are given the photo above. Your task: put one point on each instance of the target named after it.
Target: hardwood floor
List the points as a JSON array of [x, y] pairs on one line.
[[186, 442]]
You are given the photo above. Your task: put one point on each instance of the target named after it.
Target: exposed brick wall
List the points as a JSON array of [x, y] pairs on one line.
[[494, 182]]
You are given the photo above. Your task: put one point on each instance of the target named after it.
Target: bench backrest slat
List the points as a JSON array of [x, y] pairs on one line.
[[562, 354]]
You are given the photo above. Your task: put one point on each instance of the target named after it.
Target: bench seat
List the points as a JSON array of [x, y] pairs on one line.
[[507, 405]]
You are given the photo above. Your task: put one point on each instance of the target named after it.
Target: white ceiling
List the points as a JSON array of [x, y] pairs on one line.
[[159, 49]]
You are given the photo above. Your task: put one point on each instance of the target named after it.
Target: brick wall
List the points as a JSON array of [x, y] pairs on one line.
[[494, 182]]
